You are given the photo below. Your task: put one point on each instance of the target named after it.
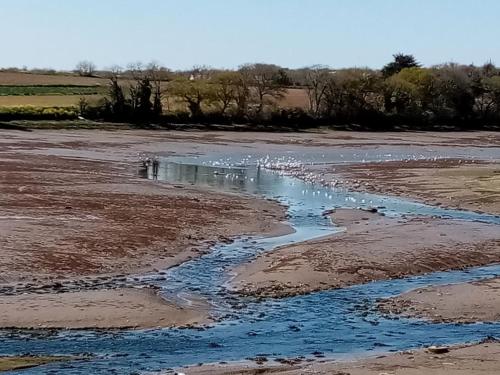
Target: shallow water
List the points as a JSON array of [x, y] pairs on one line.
[[338, 322], [230, 154]]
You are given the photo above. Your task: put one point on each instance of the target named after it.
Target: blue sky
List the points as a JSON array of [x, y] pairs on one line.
[[227, 33]]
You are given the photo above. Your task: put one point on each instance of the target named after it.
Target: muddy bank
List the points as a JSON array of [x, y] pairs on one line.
[[477, 359], [453, 182], [315, 137], [73, 210], [73, 223], [23, 362], [460, 303], [373, 247], [64, 218], [110, 309], [456, 183]]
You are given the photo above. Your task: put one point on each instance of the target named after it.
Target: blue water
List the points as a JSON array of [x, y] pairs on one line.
[[337, 322]]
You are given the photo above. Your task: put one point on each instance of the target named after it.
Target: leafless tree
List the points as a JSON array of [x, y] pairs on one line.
[[193, 92], [157, 74], [115, 71], [85, 68], [135, 71], [350, 92], [242, 92], [226, 89], [316, 81], [201, 72], [263, 80]]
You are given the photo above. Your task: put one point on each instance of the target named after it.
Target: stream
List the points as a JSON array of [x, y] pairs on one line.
[[338, 323]]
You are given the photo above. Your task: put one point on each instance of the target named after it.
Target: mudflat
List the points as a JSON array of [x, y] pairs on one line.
[[372, 247], [66, 217], [478, 359], [110, 309], [456, 183], [472, 302], [76, 217]]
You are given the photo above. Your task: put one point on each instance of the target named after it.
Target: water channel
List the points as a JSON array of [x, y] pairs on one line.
[[337, 323]]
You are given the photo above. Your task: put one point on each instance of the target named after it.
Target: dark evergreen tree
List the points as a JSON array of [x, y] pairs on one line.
[[400, 62], [144, 90], [116, 98]]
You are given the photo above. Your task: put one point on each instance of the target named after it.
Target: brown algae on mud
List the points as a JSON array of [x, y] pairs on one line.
[[79, 223], [10, 363]]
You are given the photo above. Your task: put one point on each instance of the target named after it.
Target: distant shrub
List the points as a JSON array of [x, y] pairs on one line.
[[38, 113]]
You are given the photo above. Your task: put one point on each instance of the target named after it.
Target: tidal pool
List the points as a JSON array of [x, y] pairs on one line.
[[337, 323]]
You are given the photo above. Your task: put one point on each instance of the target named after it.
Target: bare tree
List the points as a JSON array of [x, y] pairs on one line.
[[85, 68], [115, 70], [157, 74], [263, 79], [316, 81], [225, 89], [193, 92], [350, 92], [201, 72], [242, 92], [135, 71]]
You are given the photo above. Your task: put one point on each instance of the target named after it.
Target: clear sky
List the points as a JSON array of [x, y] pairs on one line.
[[227, 33]]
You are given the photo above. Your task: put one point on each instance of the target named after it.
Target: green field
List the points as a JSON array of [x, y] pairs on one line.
[[41, 90]]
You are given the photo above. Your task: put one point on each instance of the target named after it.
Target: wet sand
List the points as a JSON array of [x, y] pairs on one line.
[[71, 221], [373, 247], [455, 183], [65, 218], [315, 138], [72, 209], [459, 303], [478, 359], [110, 309]]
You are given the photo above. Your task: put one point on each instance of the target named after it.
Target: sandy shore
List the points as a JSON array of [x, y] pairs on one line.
[[119, 308], [459, 303], [478, 359], [373, 247]]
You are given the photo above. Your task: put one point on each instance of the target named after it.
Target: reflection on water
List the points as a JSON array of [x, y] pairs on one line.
[[336, 322], [225, 179], [299, 196], [232, 155], [306, 203]]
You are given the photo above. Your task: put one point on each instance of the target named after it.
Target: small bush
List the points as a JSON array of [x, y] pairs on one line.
[[38, 113]]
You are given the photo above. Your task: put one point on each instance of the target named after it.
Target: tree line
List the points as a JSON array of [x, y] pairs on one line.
[[402, 94]]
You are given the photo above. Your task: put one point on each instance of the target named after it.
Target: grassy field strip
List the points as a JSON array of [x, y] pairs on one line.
[[50, 90]]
